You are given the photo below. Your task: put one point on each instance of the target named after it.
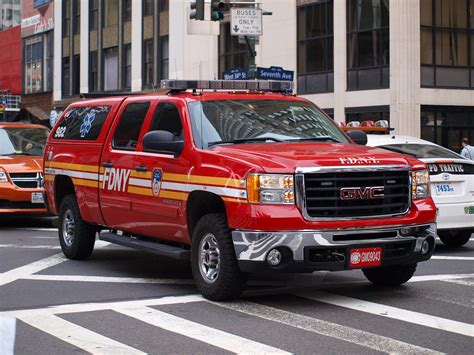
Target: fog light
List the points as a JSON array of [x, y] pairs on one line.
[[425, 247], [405, 231], [274, 257]]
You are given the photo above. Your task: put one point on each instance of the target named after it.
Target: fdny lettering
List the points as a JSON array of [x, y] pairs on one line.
[[446, 168], [115, 179], [359, 160]]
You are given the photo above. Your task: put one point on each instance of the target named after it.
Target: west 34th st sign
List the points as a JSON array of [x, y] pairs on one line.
[[246, 22]]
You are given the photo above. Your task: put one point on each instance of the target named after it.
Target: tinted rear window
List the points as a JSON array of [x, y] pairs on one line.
[[82, 123], [421, 151]]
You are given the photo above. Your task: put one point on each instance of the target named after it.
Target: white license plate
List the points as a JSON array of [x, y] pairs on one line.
[[37, 197], [445, 188]]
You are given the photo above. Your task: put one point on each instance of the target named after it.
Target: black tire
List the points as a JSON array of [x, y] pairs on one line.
[[77, 242], [229, 282], [455, 238], [394, 275]]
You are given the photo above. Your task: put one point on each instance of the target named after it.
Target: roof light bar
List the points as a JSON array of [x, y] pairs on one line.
[[251, 85]]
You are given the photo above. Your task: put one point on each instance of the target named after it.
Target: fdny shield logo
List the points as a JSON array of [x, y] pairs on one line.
[[156, 181]]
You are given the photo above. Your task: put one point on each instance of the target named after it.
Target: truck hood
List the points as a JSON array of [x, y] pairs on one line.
[[286, 157], [21, 163]]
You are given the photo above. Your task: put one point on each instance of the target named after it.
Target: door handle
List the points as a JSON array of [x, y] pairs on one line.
[[107, 164], [141, 168]]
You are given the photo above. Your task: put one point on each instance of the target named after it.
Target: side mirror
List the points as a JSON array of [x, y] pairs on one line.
[[162, 142], [359, 137]]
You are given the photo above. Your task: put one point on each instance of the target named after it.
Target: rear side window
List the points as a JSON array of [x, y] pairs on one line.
[[129, 127], [82, 123]]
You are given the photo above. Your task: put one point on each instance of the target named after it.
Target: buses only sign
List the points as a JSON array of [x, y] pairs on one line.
[[246, 22]]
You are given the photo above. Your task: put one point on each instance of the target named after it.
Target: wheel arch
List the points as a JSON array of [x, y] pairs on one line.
[[199, 204]]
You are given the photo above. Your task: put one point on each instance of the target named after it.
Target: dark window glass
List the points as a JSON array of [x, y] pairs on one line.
[[148, 62], [111, 12], [164, 56], [147, 7], [315, 47], [93, 72], [447, 125], [368, 50], [82, 123], [127, 66], [127, 10], [232, 52], [420, 151], [93, 14], [76, 17], [167, 118], [447, 53], [128, 130], [66, 18], [66, 77], [76, 75]]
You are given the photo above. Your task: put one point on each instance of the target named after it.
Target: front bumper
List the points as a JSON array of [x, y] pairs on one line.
[[307, 251]]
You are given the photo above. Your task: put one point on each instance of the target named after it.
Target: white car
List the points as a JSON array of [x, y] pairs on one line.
[[452, 183]]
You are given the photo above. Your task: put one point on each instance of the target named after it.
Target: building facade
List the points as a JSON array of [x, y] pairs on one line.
[[406, 61]]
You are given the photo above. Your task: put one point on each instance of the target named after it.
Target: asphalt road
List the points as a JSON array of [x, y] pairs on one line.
[[127, 301]]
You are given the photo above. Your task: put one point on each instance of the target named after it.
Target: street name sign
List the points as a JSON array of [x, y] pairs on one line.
[[246, 21]]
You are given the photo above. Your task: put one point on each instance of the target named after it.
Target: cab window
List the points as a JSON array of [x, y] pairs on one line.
[[82, 123], [128, 129], [167, 118]]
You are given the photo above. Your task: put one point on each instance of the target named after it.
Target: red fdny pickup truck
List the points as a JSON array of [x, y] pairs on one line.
[[237, 177]]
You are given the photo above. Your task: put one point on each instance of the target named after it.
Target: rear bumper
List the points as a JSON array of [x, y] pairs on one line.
[[455, 215], [307, 251]]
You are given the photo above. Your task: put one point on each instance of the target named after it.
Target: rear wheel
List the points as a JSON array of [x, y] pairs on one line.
[[455, 238], [213, 260], [76, 237], [390, 275]]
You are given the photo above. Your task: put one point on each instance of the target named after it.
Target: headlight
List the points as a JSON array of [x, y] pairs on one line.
[[420, 184], [3, 176], [270, 188]]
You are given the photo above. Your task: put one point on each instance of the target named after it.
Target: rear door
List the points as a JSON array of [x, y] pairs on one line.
[[118, 163]]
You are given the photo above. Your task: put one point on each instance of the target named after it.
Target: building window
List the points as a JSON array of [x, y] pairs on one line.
[[127, 66], [447, 41], [33, 65], [93, 72], [111, 12], [127, 10], [93, 14], [110, 69], [76, 17], [164, 57], [49, 54], [367, 116], [66, 18], [148, 62], [232, 53], [76, 75], [315, 48], [10, 14], [66, 77], [447, 125], [147, 7], [367, 44]]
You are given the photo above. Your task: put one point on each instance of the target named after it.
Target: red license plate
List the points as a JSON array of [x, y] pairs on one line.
[[365, 257]]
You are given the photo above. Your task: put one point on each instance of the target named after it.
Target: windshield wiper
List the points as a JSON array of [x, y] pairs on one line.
[[319, 138], [244, 140]]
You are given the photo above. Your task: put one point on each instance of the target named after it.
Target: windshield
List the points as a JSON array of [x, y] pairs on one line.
[[22, 141], [259, 121], [421, 151]]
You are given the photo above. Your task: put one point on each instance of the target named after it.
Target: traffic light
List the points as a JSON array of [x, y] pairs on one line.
[[197, 10], [217, 10]]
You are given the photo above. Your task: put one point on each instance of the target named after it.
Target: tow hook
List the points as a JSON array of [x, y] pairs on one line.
[[340, 257]]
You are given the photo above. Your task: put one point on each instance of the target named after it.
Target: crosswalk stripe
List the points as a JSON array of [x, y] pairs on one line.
[[441, 257], [392, 312], [318, 326], [441, 277], [109, 279], [78, 336], [198, 331], [13, 246], [461, 282]]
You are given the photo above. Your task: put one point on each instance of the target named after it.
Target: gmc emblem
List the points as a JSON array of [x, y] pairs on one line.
[[362, 193]]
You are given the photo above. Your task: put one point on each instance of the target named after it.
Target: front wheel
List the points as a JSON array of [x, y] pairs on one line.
[[394, 275], [213, 262], [76, 237], [455, 238]]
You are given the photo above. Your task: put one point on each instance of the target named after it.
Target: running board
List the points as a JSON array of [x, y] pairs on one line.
[[153, 247]]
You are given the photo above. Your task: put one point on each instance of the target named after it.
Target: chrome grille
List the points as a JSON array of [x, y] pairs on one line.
[[28, 180], [322, 197]]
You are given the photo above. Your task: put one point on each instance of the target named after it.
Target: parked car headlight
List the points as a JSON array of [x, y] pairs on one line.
[[420, 184], [270, 188], [3, 176]]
